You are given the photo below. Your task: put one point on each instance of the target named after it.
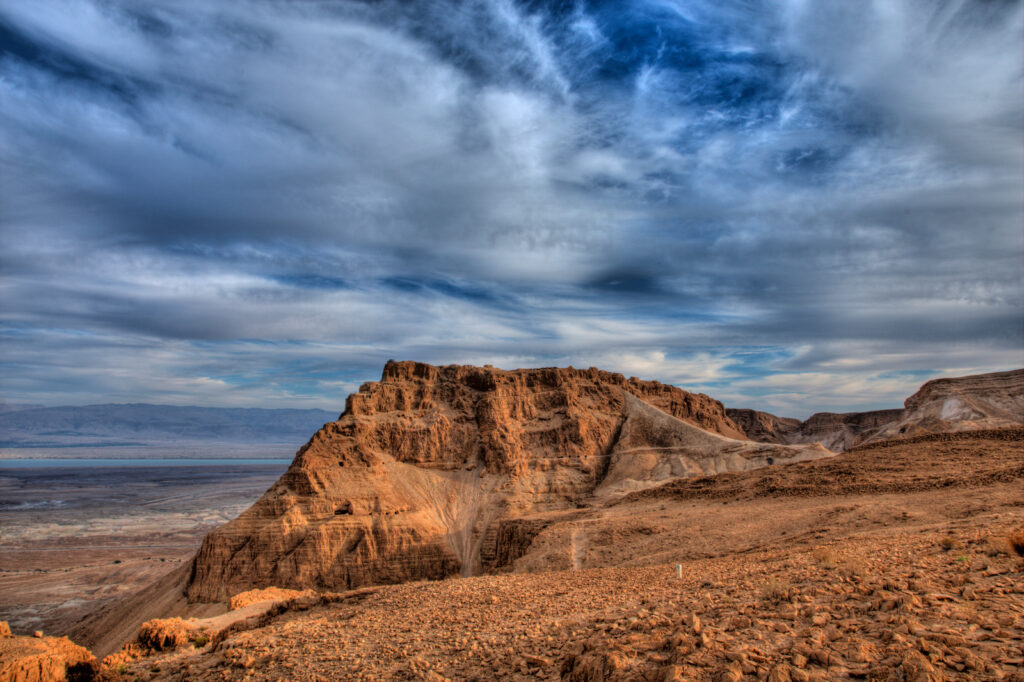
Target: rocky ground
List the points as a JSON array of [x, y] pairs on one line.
[[928, 607], [887, 563]]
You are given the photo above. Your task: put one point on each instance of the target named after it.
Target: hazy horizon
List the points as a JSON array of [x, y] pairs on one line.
[[794, 207]]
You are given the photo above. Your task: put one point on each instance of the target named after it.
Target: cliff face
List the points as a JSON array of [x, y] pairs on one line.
[[421, 473], [762, 426], [970, 403], [841, 432]]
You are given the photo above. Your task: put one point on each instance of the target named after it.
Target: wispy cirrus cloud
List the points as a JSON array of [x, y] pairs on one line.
[[796, 206]]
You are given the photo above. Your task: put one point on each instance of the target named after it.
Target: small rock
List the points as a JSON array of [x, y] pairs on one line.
[[675, 673], [732, 673], [38, 634], [799, 675]]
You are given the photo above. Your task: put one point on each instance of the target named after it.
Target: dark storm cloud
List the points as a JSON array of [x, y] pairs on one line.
[[791, 205]]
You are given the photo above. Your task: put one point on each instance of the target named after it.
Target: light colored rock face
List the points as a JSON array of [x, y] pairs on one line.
[[418, 476], [970, 403]]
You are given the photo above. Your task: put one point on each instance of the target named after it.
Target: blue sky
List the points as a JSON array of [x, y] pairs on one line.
[[790, 205]]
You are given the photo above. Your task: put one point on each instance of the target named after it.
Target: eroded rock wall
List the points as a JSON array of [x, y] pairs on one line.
[[410, 481]]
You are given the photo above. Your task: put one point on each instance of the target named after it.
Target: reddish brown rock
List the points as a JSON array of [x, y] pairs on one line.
[[417, 476], [762, 426]]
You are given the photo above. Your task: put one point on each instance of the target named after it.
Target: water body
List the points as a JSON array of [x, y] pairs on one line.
[[111, 486], [87, 463]]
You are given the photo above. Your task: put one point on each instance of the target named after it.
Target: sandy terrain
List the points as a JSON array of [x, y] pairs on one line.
[[74, 538]]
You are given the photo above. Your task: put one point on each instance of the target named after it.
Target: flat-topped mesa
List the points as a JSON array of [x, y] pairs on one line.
[[415, 477]]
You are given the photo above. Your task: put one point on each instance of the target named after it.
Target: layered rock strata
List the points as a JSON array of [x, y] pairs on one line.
[[420, 474], [970, 403]]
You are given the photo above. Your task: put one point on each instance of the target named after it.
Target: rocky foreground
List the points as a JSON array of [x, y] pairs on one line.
[[893, 608], [901, 571]]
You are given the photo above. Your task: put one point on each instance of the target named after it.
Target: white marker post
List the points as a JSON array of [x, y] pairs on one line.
[[679, 571]]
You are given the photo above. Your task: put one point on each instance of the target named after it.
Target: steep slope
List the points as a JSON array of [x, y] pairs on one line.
[[424, 469], [764, 426], [970, 403]]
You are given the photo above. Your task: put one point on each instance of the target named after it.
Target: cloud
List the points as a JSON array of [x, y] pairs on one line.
[[259, 203]]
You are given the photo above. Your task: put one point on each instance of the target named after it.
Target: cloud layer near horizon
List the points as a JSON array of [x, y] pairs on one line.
[[797, 206]]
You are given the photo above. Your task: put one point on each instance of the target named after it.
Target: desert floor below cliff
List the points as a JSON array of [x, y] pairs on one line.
[[888, 562], [73, 538]]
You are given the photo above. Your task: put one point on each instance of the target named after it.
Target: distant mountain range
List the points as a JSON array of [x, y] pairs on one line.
[[24, 426]]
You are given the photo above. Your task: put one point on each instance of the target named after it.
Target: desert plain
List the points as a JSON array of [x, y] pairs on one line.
[[74, 537]]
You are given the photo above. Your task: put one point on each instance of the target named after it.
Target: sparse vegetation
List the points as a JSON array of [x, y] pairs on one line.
[[852, 568], [776, 590], [995, 545], [949, 543], [826, 557]]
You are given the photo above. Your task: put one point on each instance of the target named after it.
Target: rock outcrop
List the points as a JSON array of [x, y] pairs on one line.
[[970, 403], [763, 426], [837, 432], [417, 476], [44, 659]]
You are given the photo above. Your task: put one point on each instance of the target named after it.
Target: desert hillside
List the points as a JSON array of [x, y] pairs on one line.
[[435, 472], [968, 403], [888, 562]]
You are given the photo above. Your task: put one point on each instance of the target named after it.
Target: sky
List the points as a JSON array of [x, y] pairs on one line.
[[793, 205]]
